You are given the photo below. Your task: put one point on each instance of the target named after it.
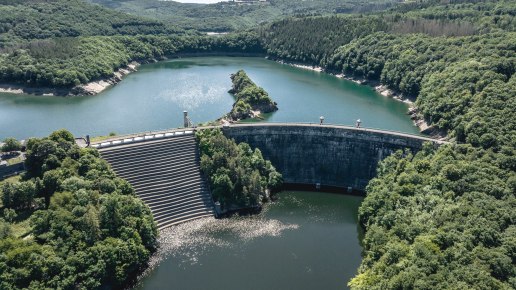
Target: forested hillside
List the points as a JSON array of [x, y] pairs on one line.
[[443, 219], [313, 40], [70, 223], [22, 21], [62, 43], [446, 74], [230, 16], [65, 62]]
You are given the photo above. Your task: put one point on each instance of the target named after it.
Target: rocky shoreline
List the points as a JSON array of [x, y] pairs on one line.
[[98, 86], [89, 89], [383, 90]]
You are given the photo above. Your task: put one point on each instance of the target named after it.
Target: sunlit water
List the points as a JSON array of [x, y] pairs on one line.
[[305, 240], [154, 98]]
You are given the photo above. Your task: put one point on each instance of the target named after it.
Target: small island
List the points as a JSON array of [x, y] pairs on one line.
[[251, 100]]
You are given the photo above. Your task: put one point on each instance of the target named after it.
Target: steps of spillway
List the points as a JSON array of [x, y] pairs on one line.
[[166, 175]]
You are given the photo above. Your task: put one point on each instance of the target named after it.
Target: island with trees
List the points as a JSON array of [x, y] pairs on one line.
[[440, 219], [251, 100]]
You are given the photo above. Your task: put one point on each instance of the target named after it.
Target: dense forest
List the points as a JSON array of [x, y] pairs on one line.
[[239, 177], [250, 98], [63, 43], [309, 40], [313, 40], [227, 16], [443, 218], [446, 74], [66, 62], [22, 21], [70, 223]]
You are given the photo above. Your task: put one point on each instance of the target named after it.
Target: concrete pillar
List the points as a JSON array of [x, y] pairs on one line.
[[185, 119]]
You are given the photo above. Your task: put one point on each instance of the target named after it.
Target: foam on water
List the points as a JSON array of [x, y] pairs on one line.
[[189, 240], [306, 235], [190, 91]]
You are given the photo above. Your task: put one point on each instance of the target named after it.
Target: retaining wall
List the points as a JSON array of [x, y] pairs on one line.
[[333, 156]]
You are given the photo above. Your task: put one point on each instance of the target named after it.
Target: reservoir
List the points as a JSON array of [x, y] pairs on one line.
[[154, 98], [304, 240]]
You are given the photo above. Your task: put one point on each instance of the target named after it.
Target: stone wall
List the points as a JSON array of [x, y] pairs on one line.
[[333, 156]]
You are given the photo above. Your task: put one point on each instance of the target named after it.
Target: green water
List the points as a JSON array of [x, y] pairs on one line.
[[154, 97], [305, 240]]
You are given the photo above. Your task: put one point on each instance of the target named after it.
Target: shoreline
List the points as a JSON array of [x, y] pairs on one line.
[[98, 86], [88, 89], [383, 90]]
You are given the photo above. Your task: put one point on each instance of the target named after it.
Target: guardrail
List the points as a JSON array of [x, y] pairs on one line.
[[348, 127], [331, 125], [135, 138], [151, 135]]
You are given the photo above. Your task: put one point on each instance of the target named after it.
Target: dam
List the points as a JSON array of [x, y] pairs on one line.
[[164, 168], [164, 171]]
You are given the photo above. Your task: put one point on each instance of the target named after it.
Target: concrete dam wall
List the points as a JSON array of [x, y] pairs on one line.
[[334, 156], [163, 166], [164, 171]]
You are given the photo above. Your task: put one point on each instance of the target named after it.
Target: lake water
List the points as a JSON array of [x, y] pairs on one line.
[[305, 240], [154, 98]]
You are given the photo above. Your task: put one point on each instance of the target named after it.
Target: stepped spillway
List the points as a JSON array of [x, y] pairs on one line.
[[166, 175]]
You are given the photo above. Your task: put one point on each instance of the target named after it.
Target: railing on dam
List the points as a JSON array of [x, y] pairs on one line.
[[325, 155], [160, 134], [140, 137]]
